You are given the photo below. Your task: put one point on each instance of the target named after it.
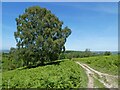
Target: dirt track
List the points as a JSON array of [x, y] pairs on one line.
[[109, 81]]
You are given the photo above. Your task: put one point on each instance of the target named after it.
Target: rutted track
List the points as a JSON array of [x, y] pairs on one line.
[[109, 81]]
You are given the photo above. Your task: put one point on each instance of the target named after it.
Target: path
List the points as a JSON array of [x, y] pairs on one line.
[[107, 80]]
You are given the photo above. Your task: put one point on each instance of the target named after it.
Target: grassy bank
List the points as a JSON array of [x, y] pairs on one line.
[[65, 74], [105, 64]]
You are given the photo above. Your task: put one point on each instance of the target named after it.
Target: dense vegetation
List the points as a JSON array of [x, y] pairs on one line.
[[77, 54], [40, 37], [106, 64], [59, 74], [9, 62], [82, 54], [63, 74]]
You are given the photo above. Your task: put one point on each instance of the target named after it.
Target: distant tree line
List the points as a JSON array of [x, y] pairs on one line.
[[11, 60], [82, 54]]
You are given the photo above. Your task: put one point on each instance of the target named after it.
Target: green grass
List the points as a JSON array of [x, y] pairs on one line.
[[6, 63], [65, 75], [98, 84], [105, 64]]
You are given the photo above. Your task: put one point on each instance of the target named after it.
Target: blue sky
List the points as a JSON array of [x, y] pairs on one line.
[[93, 25]]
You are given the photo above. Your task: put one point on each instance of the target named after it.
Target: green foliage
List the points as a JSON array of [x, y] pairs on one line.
[[107, 53], [10, 61], [40, 36], [66, 74], [62, 56], [106, 64], [77, 54], [7, 64], [98, 84]]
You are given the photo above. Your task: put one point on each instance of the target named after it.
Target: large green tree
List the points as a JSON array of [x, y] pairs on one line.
[[40, 36]]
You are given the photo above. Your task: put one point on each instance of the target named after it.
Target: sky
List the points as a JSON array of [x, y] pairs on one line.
[[94, 25]]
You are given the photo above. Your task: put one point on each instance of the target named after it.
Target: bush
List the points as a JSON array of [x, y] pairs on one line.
[[107, 53]]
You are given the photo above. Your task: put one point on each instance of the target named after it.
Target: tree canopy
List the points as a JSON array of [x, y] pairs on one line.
[[40, 36]]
